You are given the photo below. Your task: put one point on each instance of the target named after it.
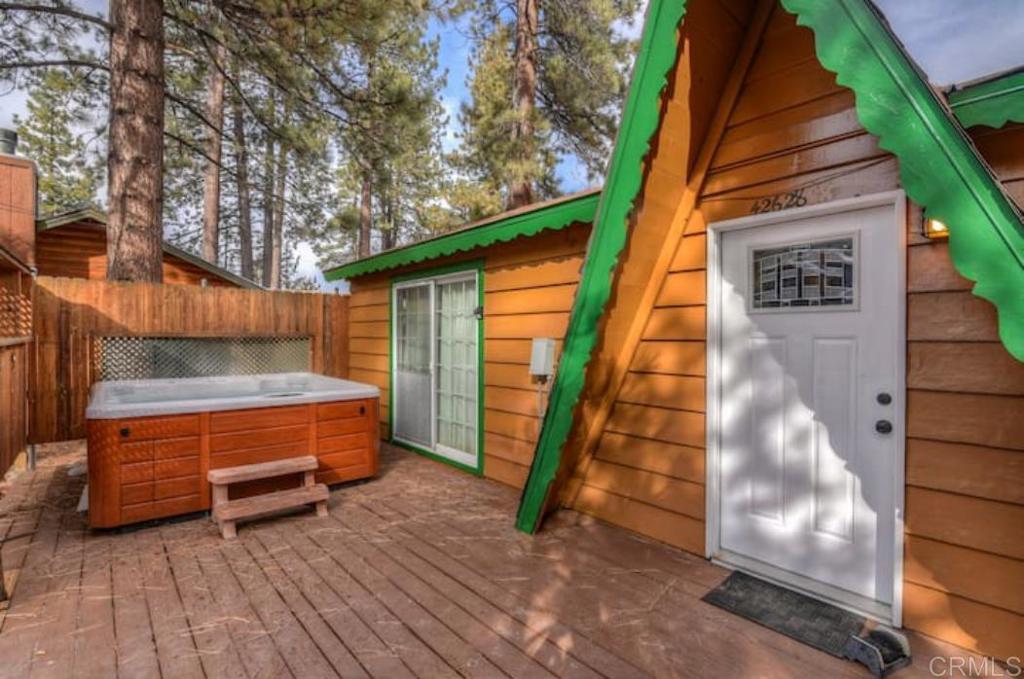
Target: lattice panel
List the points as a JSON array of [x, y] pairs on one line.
[[141, 358]]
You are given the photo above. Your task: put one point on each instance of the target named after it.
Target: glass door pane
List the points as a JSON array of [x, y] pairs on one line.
[[457, 360], [412, 397]]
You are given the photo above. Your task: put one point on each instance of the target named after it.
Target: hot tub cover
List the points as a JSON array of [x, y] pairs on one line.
[[141, 398]]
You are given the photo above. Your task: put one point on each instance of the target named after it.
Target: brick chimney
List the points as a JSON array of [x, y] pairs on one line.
[[17, 200]]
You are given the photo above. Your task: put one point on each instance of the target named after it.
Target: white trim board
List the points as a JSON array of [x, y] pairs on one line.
[[897, 200]]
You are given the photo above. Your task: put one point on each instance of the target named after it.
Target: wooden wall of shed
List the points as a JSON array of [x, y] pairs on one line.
[[18, 207], [15, 331], [792, 128], [69, 311], [80, 251], [529, 285]]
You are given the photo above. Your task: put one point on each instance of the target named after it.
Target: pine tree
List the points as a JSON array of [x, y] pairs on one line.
[[391, 149], [54, 135], [548, 79]]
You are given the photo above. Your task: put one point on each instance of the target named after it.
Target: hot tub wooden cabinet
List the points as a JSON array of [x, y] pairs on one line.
[[148, 465]]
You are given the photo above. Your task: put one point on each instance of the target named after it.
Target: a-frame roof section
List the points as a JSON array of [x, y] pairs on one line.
[[940, 169], [992, 101], [529, 220], [640, 119]]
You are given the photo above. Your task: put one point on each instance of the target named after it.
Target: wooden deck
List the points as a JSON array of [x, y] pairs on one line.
[[416, 573]]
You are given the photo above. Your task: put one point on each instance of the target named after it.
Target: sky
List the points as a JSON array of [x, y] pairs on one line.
[[953, 41]]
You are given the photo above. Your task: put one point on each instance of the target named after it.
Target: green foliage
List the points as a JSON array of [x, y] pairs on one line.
[[391, 143], [56, 136], [582, 60], [488, 155]]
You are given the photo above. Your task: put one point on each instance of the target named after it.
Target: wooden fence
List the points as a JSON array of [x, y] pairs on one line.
[[69, 311]]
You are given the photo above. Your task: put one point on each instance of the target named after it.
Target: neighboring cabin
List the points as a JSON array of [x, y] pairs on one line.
[[73, 244], [764, 287]]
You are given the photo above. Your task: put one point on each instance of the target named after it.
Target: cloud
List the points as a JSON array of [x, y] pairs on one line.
[[955, 41]]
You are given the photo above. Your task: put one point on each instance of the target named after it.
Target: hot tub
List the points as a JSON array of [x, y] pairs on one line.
[[151, 442]]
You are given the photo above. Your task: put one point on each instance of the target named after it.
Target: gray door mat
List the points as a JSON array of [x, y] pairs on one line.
[[820, 625], [823, 626]]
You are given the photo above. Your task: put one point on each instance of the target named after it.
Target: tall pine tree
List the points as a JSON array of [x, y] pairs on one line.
[[548, 79], [56, 135]]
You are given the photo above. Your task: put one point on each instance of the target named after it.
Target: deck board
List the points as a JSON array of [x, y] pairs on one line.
[[416, 573]]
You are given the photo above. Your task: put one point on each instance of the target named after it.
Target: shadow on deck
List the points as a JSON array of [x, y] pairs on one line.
[[416, 573]]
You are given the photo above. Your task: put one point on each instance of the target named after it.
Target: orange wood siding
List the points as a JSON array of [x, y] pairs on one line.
[[18, 207], [793, 128], [529, 285], [80, 251]]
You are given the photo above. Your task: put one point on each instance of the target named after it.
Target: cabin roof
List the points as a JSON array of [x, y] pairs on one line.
[[993, 100], [529, 220], [940, 169], [8, 261], [92, 216]]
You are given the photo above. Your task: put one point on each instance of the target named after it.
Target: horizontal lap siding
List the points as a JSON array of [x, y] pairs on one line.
[[647, 469], [964, 564], [529, 287], [80, 251], [794, 128], [369, 356]]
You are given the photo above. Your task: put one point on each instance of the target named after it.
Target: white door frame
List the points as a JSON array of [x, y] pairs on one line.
[[431, 282], [897, 201]]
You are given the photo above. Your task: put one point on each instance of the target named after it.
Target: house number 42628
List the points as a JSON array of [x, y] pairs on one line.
[[781, 201]]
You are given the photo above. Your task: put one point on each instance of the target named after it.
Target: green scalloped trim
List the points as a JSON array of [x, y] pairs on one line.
[[551, 216], [993, 103], [640, 120], [939, 167]]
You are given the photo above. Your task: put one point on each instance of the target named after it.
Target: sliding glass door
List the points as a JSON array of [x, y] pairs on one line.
[[436, 365]]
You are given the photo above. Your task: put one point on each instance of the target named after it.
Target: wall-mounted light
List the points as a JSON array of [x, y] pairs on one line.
[[933, 228]]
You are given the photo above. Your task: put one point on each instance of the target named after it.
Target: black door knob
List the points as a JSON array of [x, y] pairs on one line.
[[884, 398], [883, 427]]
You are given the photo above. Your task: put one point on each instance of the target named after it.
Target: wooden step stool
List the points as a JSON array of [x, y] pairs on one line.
[[227, 512]]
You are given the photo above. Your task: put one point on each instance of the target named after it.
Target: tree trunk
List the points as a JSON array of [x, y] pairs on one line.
[[268, 166], [524, 93], [278, 232], [242, 180], [211, 181], [135, 156], [388, 235], [365, 220]]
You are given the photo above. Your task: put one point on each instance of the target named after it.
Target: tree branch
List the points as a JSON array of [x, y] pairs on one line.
[[49, 63], [57, 10]]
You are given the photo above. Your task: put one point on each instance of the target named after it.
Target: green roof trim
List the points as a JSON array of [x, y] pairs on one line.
[[528, 221], [939, 167], [993, 102], [640, 120]]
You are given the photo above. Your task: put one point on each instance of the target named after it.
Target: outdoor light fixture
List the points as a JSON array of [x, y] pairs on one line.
[[933, 228]]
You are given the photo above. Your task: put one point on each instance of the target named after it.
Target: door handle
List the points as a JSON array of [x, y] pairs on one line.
[[883, 426]]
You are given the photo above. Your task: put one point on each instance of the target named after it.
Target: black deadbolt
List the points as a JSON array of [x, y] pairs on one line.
[[884, 398], [126, 431], [883, 427]]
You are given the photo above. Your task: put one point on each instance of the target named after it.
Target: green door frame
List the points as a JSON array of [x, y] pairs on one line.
[[476, 265]]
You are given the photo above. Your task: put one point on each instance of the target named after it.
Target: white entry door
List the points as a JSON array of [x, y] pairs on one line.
[[435, 367], [810, 401]]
